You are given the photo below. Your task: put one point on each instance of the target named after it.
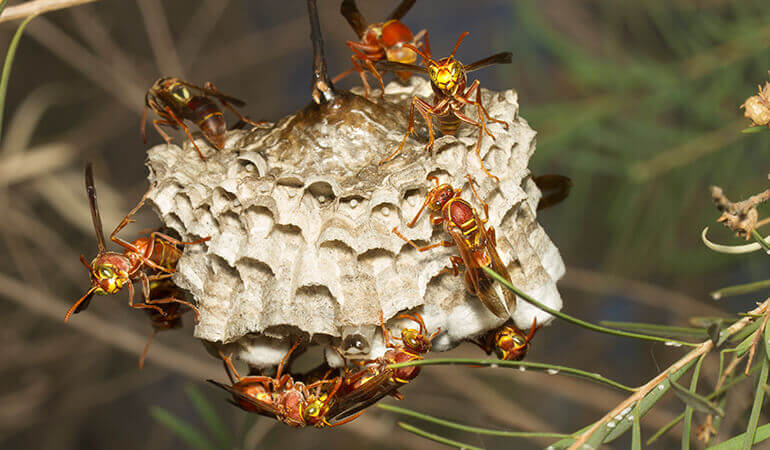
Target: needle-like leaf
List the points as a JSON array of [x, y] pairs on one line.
[[209, 415], [185, 431], [435, 437]]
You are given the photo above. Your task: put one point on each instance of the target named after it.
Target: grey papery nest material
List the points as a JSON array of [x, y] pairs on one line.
[[300, 219]]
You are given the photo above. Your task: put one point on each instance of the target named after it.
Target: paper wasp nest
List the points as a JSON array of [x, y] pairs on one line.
[[300, 219]]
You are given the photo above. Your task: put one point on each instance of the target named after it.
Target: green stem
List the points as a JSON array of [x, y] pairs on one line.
[[582, 323], [552, 369], [761, 240], [435, 437], [7, 67], [689, 409], [459, 426], [740, 289]]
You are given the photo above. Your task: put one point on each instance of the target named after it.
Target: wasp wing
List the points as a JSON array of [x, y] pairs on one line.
[[364, 396], [214, 93], [555, 188], [354, 17], [498, 58], [259, 407], [480, 284], [497, 263], [401, 10], [400, 67], [95, 216]]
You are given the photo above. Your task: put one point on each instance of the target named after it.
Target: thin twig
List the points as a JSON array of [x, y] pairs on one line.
[[702, 349], [38, 7]]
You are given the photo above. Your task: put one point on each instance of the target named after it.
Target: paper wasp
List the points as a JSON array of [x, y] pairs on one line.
[[449, 80], [175, 101], [379, 41], [508, 342], [476, 244], [147, 260], [291, 402]]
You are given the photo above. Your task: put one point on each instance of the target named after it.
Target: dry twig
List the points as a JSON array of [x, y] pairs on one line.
[[38, 7]]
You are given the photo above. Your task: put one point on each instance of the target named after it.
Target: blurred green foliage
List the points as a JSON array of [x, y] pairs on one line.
[[638, 103]]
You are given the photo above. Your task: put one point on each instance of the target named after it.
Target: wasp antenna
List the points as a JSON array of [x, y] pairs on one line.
[[459, 41], [425, 56], [74, 307]]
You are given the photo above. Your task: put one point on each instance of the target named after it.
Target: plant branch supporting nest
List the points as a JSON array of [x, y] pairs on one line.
[[741, 217]]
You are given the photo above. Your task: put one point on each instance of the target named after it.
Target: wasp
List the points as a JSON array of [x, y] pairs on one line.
[[451, 94], [379, 41], [291, 402], [175, 101], [147, 259], [508, 342], [170, 299], [477, 245]]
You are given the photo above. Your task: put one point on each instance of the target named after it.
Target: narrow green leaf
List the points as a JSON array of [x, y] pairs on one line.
[[7, 67], [705, 322], [766, 337], [548, 368], [435, 437], [745, 345], [748, 330], [761, 240], [459, 426], [658, 330], [695, 401], [636, 431], [683, 393], [762, 434], [752, 130], [740, 289], [756, 409], [3, 4], [182, 429], [579, 322], [210, 417], [623, 422]]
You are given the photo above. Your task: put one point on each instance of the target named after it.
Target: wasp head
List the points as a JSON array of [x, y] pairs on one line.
[[439, 196], [109, 273], [314, 410], [415, 340], [511, 344], [446, 74]]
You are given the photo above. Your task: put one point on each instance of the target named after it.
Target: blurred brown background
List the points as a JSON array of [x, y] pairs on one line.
[[636, 101]]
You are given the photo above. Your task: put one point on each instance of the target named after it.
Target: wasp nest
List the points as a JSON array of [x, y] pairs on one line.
[[300, 218]]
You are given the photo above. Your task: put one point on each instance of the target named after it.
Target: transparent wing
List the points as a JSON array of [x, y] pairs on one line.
[[498, 58]]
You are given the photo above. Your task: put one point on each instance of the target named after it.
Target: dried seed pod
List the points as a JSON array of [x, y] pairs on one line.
[[300, 218], [757, 107]]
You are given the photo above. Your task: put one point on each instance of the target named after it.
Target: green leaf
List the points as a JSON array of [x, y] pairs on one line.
[[578, 322], [740, 289], [209, 415], [658, 330], [756, 409], [752, 130], [182, 429], [459, 426], [636, 430], [766, 337], [745, 345], [621, 423], [689, 397], [551, 369], [7, 66], [3, 4], [435, 437], [762, 433], [761, 240], [695, 401]]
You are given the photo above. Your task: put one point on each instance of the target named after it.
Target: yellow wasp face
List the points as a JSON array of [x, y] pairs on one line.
[[511, 345], [446, 74], [180, 93], [109, 279]]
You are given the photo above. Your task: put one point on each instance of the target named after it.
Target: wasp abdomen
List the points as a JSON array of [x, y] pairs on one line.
[[210, 120]]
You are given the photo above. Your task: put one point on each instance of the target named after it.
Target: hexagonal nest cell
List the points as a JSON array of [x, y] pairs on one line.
[[300, 217]]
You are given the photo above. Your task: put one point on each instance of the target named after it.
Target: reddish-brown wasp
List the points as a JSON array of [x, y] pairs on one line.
[[170, 299], [449, 80], [476, 244], [509, 342], [146, 259], [286, 400], [379, 41], [174, 101]]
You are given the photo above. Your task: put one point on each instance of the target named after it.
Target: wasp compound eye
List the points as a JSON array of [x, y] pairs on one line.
[[355, 344]]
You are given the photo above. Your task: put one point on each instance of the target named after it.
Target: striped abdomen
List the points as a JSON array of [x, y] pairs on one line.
[[163, 253], [460, 215], [209, 118], [448, 123]]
